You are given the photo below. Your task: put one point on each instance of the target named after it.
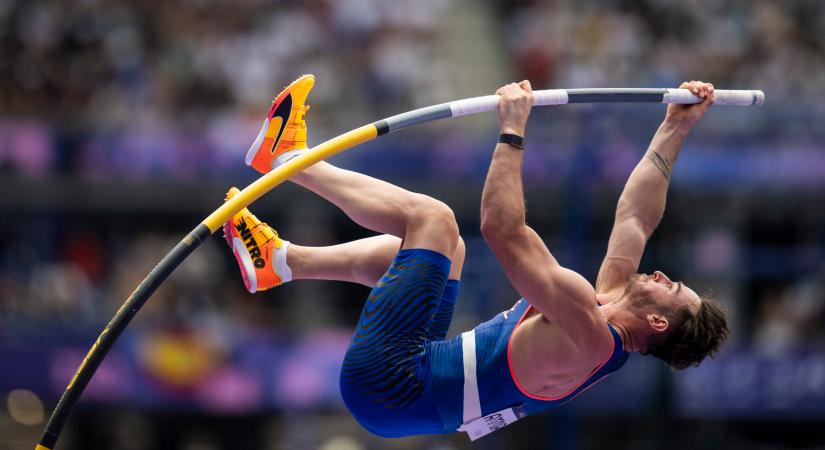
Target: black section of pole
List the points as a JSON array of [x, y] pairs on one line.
[[382, 127], [614, 97], [115, 327]]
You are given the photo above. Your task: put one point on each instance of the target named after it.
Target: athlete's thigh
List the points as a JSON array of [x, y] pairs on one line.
[[384, 358]]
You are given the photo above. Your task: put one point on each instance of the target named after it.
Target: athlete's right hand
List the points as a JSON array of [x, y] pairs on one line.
[[514, 107], [688, 115]]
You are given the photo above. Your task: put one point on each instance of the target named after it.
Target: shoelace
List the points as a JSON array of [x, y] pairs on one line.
[[263, 224], [299, 116]]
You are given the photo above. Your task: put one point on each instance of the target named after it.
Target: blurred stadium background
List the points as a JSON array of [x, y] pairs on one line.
[[122, 123]]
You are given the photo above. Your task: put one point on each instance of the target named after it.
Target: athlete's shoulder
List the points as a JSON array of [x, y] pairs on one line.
[[570, 301]]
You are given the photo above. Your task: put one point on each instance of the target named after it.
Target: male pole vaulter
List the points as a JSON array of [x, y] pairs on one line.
[[400, 376]]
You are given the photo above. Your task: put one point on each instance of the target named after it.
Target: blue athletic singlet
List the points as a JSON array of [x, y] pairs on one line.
[[400, 377]]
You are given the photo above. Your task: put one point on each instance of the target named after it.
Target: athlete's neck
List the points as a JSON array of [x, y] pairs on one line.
[[609, 297], [623, 321]]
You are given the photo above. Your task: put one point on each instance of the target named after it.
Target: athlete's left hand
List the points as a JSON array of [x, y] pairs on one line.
[[689, 114], [514, 107]]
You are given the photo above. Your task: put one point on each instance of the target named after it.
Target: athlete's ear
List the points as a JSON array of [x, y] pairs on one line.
[[657, 322]]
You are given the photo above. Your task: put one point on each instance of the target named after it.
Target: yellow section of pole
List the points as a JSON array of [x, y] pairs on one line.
[[277, 176]]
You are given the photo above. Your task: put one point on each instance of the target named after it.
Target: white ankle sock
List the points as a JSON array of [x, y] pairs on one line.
[[285, 156], [279, 262]]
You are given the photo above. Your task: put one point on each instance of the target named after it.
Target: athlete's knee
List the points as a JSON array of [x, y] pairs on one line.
[[457, 259], [436, 215], [460, 251]]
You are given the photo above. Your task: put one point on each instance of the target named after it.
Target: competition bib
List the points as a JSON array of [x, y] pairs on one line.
[[485, 425]]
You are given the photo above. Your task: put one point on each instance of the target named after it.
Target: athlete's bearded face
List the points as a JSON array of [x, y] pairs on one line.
[[679, 328], [659, 294]]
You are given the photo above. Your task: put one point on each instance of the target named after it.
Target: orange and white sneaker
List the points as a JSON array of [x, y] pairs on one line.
[[284, 133], [260, 253]]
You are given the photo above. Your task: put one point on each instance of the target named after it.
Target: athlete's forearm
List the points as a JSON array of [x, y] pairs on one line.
[[502, 201], [644, 195]]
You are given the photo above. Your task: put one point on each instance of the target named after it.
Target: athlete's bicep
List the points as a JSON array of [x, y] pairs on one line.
[[624, 253]]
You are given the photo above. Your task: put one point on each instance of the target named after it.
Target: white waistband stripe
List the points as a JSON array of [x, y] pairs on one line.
[[472, 403]]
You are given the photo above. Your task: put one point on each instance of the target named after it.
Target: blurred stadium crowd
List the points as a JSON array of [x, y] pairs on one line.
[[121, 122]]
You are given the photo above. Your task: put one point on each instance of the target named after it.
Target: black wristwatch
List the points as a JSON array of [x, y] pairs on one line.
[[512, 139]]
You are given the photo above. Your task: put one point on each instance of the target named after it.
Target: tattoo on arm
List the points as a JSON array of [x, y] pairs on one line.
[[662, 164]]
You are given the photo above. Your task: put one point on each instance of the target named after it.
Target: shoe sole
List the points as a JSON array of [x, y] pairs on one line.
[[250, 279], [257, 146]]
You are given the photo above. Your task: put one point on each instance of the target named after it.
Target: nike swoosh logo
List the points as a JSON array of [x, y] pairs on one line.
[[281, 112]]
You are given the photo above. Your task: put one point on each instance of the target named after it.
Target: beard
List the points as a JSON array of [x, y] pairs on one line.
[[635, 292]]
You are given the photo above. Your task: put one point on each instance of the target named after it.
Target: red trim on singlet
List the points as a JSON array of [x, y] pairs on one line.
[[538, 397]]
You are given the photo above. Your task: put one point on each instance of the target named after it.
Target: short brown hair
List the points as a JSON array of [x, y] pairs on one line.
[[689, 339]]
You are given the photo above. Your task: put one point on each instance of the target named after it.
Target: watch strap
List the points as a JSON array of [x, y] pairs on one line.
[[512, 139]]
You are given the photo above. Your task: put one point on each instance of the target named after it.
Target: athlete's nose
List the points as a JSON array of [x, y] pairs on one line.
[[658, 275]]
